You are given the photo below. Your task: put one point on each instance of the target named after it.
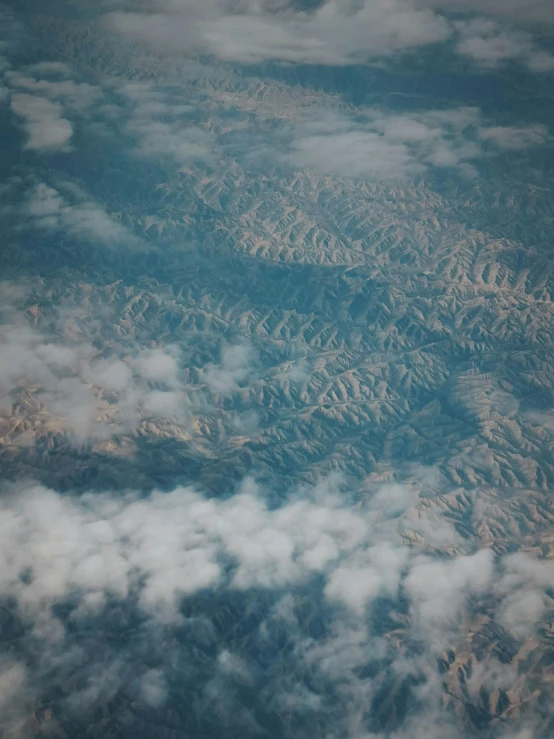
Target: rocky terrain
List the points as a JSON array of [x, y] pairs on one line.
[[249, 319]]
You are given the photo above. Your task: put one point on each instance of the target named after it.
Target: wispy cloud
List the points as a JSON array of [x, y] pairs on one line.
[[160, 127]]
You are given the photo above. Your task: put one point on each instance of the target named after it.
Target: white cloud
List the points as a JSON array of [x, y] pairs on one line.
[[339, 32], [168, 545], [14, 694], [154, 550], [354, 154], [153, 688], [515, 137], [92, 392], [490, 44], [49, 209], [237, 365], [173, 136], [42, 95], [376, 144], [521, 612], [73, 378], [439, 589], [376, 573], [523, 586], [77, 95], [43, 122], [158, 138]]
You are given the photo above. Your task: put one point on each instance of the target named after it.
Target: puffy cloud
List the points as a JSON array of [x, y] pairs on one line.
[[376, 144], [42, 95], [438, 590], [169, 545], [75, 380], [338, 32], [93, 392], [238, 363], [77, 95], [523, 585], [490, 44], [43, 122], [153, 688], [47, 208], [156, 138], [315, 550], [377, 572]]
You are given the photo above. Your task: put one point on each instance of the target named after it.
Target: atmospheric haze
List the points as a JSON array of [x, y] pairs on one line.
[[276, 369]]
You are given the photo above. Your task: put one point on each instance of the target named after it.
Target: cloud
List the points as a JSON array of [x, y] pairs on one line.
[[93, 396], [43, 122], [156, 138], [76, 95], [379, 145], [169, 545], [515, 137], [377, 572], [237, 365], [93, 392], [489, 44], [46, 208], [315, 565], [153, 688], [523, 586], [438, 591], [41, 95], [160, 127], [336, 33]]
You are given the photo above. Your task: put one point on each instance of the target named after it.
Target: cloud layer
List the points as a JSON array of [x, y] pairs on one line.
[[335, 33], [159, 552], [379, 145]]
